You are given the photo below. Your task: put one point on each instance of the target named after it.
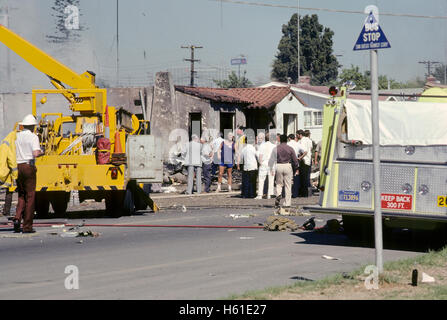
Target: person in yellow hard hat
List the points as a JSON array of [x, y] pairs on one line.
[[27, 150]]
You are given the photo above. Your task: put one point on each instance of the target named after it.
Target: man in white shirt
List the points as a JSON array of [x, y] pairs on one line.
[[264, 153], [193, 160], [27, 150], [247, 157], [215, 144]]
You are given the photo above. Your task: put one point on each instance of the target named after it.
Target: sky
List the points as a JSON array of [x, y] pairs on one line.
[[151, 33]]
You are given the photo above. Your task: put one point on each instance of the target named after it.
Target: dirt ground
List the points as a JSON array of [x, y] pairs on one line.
[[395, 284]]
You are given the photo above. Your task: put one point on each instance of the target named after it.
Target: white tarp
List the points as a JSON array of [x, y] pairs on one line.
[[401, 123]]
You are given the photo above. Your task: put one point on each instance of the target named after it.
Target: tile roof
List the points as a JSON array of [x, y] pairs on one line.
[[250, 97]]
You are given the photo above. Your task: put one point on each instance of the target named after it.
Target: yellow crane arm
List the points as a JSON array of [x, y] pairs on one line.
[[45, 63]]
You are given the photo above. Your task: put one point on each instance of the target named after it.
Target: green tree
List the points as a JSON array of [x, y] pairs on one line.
[[363, 80], [234, 81], [353, 74], [440, 73], [316, 55]]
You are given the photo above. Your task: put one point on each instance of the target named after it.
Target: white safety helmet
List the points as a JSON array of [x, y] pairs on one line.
[[29, 120]]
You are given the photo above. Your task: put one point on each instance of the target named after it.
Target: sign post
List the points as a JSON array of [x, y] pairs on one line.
[[372, 38], [238, 62]]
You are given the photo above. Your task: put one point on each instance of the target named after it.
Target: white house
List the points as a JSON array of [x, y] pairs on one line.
[[310, 112]]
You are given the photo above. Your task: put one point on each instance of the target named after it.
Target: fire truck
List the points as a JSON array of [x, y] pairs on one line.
[[413, 154]]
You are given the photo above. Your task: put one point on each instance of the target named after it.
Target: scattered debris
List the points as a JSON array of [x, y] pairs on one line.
[[183, 209], [58, 226], [329, 257], [414, 278], [88, 233], [426, 278], [168, 189], [241, 216], [246, 238], [309, 224], [80, 241], [291, 212], [75, 234], [69, 234], [275, 223]]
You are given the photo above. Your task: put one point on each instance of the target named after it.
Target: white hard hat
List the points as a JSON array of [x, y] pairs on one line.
[[29, 120]]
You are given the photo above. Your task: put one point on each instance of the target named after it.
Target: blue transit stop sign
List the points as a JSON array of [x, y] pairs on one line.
[[372, 36]]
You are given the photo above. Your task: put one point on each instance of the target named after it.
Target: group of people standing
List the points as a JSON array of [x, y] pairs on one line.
[[282, 160]]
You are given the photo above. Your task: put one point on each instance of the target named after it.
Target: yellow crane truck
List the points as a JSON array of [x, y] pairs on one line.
[[413, 148], [73, 160]]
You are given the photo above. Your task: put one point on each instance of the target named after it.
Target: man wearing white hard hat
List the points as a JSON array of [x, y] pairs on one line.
[[27, 150]]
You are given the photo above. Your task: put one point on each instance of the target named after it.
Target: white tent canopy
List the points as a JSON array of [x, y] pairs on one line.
[[401, 123]]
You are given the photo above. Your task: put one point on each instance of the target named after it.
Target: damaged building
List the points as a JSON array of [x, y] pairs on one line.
[[172, 110]]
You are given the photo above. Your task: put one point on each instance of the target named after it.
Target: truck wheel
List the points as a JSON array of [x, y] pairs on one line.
[[115, 203], [59, 202], [42, 205]]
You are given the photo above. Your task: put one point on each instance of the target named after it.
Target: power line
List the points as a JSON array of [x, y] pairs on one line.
[[258, 4]]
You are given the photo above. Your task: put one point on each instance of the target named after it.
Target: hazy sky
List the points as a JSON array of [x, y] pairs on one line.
[[152, 32]]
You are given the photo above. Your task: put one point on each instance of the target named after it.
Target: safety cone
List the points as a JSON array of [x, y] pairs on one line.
[[118, 157], [118, 148]]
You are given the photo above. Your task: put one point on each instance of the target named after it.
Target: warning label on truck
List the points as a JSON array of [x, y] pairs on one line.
[[397, 201]]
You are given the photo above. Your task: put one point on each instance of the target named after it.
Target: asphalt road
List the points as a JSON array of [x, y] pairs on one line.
[[173, 263]]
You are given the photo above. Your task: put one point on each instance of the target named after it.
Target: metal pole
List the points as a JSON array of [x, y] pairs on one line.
[[376, 160]]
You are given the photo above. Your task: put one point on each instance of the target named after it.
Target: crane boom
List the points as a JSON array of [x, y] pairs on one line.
[[44, 62], [84, 96]]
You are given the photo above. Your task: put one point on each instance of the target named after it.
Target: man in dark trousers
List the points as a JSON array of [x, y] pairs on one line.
[[27, 150], [286, 168]]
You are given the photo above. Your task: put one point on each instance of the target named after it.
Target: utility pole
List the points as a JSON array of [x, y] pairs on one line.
[[192, 60], [429, 65], [117, 45]]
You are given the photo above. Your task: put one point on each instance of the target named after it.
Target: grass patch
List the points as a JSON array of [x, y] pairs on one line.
[[394, 283]]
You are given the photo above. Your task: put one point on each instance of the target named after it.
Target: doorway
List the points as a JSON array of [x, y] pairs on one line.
[[195, 124], [290, 125], [227, 121]]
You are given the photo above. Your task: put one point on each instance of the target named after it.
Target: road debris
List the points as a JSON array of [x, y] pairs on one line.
[[246, 238], [183, 209], [77, 234], [69, 234], [426, 278], [241, 216], [169, 189], [275, 223], [309, 224], [88, 233], [329, 257], [291, 212]]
